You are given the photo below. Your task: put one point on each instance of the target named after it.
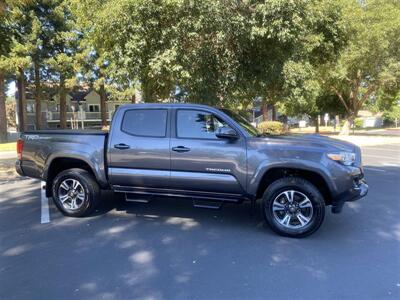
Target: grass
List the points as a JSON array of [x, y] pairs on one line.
[[8, 146]]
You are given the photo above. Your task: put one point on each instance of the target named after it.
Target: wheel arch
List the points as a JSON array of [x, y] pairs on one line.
[[59, 164], [312, 176]]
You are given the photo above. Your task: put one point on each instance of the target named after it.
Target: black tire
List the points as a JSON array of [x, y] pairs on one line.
[[300, 186], [89, 185]]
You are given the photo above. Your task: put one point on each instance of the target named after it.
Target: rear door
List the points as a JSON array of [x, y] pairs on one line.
[[202, 162], [139, 153]]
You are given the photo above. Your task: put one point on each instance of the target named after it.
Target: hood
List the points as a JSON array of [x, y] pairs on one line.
[[309, 141]]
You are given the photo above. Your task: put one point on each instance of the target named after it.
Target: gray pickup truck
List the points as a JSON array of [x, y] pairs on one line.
[[196, 152]]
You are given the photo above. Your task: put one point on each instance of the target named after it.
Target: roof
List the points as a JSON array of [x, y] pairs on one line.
[[167, 105], [79, 95]]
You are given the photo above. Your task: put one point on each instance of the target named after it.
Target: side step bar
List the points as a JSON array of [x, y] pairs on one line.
[[207, 204], [132, 198], [198, 203]]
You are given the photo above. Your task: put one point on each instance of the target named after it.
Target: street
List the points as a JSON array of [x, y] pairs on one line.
[[167, 249]]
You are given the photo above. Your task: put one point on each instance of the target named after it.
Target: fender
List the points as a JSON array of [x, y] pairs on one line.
[[264, 167], [95, 163]]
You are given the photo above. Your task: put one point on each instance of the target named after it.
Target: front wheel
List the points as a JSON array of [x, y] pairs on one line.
[[75, 192], [293, 207]]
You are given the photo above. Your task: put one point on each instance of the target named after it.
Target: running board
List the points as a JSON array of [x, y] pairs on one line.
[[129, 198], [207, 204]]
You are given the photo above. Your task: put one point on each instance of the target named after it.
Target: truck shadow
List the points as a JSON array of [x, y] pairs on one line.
[[165, 208], [383, 181]]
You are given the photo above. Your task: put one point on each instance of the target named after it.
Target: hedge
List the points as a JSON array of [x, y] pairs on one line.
[[271, 127]]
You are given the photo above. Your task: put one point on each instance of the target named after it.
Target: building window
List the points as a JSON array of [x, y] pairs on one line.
[[30, 107], [94, 108]]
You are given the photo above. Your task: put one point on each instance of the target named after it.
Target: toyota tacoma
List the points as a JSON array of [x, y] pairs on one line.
[[197, 152]]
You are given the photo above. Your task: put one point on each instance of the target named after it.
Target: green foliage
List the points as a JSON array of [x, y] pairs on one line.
[[369, 63], [214, 52], [392, 115], [271, 127], [11, 114], [358, 123], [309, 57]]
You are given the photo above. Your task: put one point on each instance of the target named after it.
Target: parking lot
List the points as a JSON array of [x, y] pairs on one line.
[[167, 249]]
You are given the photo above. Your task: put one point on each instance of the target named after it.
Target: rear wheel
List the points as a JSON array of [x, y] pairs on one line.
[[293, 207], [75, 192]]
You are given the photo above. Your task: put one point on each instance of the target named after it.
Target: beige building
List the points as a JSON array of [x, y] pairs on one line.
[[83, 110]]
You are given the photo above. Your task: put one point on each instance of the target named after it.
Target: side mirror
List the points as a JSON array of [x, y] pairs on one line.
[[226, 133]]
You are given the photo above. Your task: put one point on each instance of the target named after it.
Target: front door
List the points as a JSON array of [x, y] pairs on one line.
[[139, 153], [201, 162]]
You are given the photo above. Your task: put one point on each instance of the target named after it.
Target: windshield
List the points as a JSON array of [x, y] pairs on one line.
[[246, 125]]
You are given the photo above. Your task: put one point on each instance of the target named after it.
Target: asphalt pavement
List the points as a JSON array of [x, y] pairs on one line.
[[167, 249]]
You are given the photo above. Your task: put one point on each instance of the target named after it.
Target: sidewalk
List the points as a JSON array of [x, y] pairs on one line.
[[7, 165], [8, 154], [368, 140]]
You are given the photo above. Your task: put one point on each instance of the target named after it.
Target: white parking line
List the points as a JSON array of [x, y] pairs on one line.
[[381, 157], [45, 215], [382, 149], [391, 165], [373, 169]]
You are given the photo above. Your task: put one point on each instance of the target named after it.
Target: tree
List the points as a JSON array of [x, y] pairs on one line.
[[27, 48], [94, 59], [63, 41], [13, 52], [369, 64], [3, 114], [6, 38], [4, 49], [215, 52]]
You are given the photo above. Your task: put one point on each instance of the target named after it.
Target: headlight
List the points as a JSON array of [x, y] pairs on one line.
[[345, 158]]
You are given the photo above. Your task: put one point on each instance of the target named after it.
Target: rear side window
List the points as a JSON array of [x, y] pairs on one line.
[[145, 122], [197, 124]]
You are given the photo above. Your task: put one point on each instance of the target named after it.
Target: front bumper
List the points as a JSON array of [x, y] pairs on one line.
[[358, 191]]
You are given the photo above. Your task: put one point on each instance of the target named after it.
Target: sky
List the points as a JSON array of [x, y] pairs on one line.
[[11, 89]]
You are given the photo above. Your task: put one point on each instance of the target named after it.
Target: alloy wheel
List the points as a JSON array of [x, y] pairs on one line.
[[71, 194], [292, 209]]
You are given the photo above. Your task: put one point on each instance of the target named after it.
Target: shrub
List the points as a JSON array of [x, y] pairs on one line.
[[271, 127], [390, 116], [358, 123]]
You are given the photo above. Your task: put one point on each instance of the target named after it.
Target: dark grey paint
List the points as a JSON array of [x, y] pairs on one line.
[[41, 148], [214, 165], [225, 168]]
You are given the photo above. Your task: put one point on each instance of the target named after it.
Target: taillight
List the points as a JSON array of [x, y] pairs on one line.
[[20, 148]]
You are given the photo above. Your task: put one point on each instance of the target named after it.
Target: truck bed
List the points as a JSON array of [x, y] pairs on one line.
[[68, 131], [42, 147]]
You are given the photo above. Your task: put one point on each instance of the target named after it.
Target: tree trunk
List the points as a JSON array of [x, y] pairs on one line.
[[103, 105], [316, 124], [3, 114], [264, 110], [273, 113], [63, 103], [22, 122], [138, 94], [38, 104], [345, 130], [133, 98]]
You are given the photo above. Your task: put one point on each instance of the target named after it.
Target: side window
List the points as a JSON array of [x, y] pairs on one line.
[[197, 124], [145, 122]]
